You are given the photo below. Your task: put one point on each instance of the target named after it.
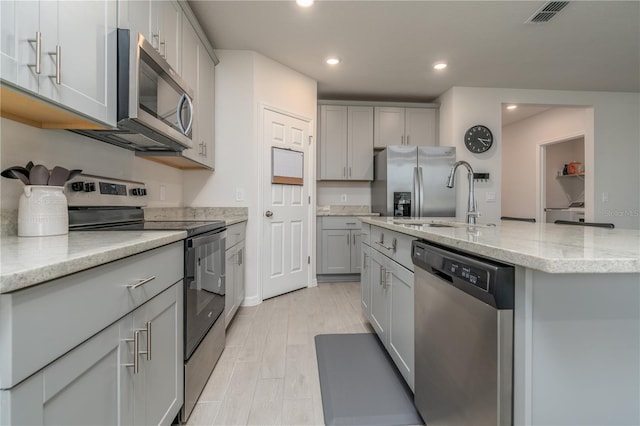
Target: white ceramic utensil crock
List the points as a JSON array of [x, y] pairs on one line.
[[42, 211]]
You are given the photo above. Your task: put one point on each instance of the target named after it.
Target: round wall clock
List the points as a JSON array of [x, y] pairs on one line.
[[478, 139]]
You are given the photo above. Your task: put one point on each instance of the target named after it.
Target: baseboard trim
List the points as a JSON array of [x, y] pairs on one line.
[[251, 301], [337, 278]]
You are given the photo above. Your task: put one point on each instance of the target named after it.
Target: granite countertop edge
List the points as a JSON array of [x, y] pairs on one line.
[[16, 275], [501, 243]]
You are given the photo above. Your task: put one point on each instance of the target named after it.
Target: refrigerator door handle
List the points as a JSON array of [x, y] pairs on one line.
[[421, 196], [416, 194]]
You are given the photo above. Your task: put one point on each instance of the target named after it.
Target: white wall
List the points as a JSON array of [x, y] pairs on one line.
[[330, 193], [520, 146], [613, 147], [20, 143], [245, 80]]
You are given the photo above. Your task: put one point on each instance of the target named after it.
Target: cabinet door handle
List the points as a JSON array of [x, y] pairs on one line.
[[407, 139], [163, 43], [344, 171], [140, 282], [347, 239], [136, 351], [354, 239], [349, 171], [364, 261], [157, 38], [148, 341], [350, 223], [38, 42], [240, 258], [401, 139], [383, 274], [58, 55], [387, 283]]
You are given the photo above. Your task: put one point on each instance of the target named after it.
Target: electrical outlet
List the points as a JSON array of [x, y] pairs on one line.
[[163, 193], [239, 194], [605, 197], [490, 197], [343, 197]]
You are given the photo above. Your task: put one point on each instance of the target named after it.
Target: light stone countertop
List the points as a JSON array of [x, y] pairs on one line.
[[27, 261], [543, 246]]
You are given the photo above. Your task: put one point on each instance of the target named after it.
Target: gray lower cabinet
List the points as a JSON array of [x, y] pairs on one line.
[[234, 271], [101, 346], [97, 382], [339, 245], [387, 291]]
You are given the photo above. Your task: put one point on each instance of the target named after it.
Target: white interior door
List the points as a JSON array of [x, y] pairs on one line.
[[285, 209]]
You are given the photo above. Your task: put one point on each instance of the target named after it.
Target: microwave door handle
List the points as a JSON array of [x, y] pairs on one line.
[[185, 129]]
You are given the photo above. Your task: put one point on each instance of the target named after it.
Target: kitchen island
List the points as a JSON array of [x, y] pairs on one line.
[[576, 315]]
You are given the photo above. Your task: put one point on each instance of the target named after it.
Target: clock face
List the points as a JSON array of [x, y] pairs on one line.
[[478, 139]]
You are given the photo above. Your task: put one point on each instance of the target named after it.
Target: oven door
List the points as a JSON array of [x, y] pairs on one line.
[[204, 286]]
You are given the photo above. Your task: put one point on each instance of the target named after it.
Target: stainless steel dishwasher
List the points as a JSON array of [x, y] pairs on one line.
[[463, 337]]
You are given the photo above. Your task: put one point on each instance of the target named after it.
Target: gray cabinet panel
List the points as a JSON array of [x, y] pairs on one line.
[[365, 281], [234, 264], [379, 296], [401, 323], [88, 386], [37, 313], [333, 142], [336, 251]]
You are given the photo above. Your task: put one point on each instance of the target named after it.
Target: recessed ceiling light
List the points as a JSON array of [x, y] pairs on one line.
[[333, 61], [304, 3], [440, 66], [512, 107]]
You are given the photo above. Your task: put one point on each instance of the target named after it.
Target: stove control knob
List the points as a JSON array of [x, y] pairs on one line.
[[134, 191], [143, 191], [77, 186], [89, 187], [138, 192]]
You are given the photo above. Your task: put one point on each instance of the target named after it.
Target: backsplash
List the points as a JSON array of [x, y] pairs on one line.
[[196, 213], [22, 143]]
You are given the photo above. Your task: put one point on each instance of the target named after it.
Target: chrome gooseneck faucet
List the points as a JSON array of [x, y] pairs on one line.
[[472, 212]]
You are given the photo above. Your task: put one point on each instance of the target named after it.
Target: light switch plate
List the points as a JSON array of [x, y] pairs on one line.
[[239, 194], [490, 197], [343, 197]]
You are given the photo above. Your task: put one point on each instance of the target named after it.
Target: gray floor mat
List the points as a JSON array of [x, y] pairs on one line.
[[360, 385]]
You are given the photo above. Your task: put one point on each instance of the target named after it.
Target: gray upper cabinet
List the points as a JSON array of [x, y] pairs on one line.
[[346, 142], [198, 72], [64, 51], [405, 126], [158, 21]]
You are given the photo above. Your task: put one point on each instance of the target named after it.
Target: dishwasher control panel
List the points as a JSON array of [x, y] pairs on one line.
[[474, 276]]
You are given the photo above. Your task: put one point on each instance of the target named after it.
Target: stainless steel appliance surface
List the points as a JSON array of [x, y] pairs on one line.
[[573, 214], [155, 106], [463, 337], [412, 181], [108, 204]]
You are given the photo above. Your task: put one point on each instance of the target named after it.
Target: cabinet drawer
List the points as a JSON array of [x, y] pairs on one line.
[[340, 222], [235, 234], [382, 240], [40, 323]]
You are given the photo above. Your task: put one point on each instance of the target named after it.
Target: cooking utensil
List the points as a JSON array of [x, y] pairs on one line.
[[29, 165], [39, 175], [59, 175], [8, 173], [12, 173], [73, 173], [19, 175]]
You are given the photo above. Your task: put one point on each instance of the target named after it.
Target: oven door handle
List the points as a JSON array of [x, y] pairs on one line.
[[206, 239]]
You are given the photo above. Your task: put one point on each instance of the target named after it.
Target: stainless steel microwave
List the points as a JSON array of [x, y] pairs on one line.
[[155, 106]]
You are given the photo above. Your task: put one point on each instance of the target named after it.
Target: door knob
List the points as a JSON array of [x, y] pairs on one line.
[[268, 213]]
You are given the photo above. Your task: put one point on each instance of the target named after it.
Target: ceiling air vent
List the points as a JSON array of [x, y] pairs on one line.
[[547, 11]]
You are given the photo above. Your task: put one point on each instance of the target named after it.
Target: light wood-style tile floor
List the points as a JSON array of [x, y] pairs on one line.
[[268, 372]]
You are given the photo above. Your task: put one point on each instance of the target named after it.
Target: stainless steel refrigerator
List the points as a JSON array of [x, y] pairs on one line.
[[412, 182]]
